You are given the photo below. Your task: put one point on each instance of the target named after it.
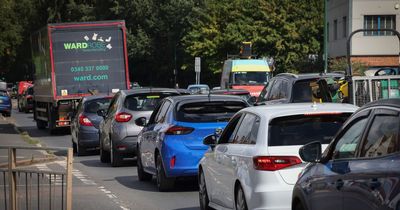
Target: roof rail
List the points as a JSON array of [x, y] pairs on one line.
[[288, 74]]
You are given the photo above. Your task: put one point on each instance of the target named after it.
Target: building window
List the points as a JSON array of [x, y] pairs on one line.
[[335, 29], [344, 22], [379, 22]]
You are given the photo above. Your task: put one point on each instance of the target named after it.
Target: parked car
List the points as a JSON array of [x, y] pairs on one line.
[[198, 89], [118, 132], [245, 94], [255, 163], [171, 143], [25, 102], [292, 88], [360, 168], [5, 103], [85, 123]]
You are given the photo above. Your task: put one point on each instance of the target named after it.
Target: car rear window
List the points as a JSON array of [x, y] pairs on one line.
[[145, 101], [205, 111], [310, 91], [302, 129], [94, 105]]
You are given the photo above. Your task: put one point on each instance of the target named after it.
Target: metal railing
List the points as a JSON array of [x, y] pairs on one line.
[[367, 89], [28, 188]]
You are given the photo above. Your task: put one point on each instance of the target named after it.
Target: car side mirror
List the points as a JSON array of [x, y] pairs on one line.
[[252, 100], [311, 152], [141, 121], [210, 140], [101, 113]]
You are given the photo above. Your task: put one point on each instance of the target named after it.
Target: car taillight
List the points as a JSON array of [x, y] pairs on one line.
[[274, 163], [172, 162], [178, 130], [83, 120], [123, 117]]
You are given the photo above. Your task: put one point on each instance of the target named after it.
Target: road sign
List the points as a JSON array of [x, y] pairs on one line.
[[197, 64]]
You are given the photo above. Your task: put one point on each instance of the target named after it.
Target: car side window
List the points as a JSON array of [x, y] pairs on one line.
[[160, 118], [346, 146], [383, 135], [275, 91], [227, 134], [283, 92], [264, 92], [155, 113], [244, 131], [254, 131]]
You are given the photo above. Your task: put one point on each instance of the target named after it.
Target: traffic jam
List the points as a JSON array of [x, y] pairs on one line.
[[259, 140]]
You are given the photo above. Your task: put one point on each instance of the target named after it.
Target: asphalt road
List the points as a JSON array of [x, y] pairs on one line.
[[99, 186]]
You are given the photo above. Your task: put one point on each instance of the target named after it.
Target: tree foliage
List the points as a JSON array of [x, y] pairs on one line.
[[164, 35]]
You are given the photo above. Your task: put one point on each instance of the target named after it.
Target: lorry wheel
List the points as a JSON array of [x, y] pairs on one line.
[[26, 110], [52, 128], [40, 124]]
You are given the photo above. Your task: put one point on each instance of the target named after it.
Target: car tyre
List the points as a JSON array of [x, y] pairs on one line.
[[80, 151], [298, 206], [73, 146], [240, 199], [163, 183], [114, 156], [203, 196], [142, 175], [40, 124], [104, 155]]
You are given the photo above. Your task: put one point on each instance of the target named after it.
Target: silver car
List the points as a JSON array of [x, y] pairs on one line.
[[118, 131]]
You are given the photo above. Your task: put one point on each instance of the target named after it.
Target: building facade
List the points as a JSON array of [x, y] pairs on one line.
[[375, 49]]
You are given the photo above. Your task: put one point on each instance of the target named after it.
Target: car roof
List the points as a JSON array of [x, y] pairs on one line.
[[309, 75], [281, 110], [91, 97], [204, 97], [393, 102], [148, 90], [227, 91]]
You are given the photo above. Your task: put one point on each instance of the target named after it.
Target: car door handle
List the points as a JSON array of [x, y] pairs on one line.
[[374, 183], [339, 184]]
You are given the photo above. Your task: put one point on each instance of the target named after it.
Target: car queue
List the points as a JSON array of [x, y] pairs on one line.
[[251, 156]]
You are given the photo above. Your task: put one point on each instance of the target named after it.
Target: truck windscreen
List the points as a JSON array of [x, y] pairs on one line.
[[88, 59], [249, 78]]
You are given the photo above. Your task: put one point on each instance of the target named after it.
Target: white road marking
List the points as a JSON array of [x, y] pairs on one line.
[[85, 179]]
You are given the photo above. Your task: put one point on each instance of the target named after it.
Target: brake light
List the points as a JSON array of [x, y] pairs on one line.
[[123, 117], [178, 130], [274, 163], [172, 162], [83, 120]]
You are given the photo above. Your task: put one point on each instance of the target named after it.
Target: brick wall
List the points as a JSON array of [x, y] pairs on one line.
[[389, 60]]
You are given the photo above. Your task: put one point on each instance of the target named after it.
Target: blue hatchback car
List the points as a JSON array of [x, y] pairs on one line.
[[5, 103], [171, 142]]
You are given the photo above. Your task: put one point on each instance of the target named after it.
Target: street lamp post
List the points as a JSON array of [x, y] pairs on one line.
[[325, 36]]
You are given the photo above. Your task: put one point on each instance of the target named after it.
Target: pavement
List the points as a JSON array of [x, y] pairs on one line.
[[12, 136]]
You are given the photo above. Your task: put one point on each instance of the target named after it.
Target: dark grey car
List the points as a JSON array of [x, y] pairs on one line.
[[118, 131], [85, 123]]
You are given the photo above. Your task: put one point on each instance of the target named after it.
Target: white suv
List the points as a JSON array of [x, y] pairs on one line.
[[254, 164]]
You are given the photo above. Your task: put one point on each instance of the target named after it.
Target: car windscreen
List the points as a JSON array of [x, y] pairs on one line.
[[302, 129], [145, 101], [250, 78], [95, 105], [3, 93], [208, 111], [314, 90]]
